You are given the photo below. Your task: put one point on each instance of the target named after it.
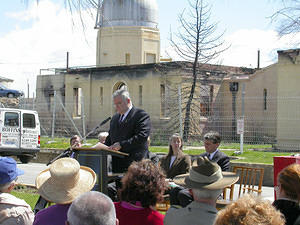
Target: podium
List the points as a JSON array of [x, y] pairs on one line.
[[280, 162], [97, 160]]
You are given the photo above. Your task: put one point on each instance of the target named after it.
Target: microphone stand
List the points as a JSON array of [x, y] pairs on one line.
[[41, 202]]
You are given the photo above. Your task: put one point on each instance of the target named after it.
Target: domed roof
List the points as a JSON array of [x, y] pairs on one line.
[[129, 13]]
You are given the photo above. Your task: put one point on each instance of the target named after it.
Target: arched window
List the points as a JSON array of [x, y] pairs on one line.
[[265, 99]]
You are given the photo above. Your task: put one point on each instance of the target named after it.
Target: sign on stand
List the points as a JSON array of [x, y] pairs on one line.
[[240, 131], [240, 126]]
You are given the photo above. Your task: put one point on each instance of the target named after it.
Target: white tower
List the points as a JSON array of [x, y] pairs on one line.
[[128, 32]]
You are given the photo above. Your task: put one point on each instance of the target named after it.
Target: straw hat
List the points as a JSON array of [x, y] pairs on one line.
[[64, 181], [207, 175]]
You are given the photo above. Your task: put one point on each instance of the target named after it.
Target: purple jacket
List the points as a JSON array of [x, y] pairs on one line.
[[53, 215]]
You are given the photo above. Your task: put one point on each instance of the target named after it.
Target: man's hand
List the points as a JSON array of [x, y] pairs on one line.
[[116, 146]]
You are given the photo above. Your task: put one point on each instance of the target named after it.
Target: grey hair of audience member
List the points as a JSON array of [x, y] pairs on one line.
[[92, 208], [123, 93], [206, 194], [5, 187]]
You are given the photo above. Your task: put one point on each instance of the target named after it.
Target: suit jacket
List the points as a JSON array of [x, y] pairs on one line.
[[181, 165], [221, 159], [196, 213], [132, 134]]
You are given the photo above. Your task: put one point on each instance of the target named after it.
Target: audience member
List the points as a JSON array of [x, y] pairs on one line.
[[75, 141], [205, 182], [102, 137], [288, 193], [142, 187], [249, 210], [92, 208], [175, 162], [12, 210], [212, 140], [61, 184]]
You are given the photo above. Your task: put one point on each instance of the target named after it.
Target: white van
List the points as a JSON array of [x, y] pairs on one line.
[[19, 133]]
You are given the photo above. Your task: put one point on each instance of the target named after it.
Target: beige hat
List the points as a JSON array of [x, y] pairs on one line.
[[64, 181], [207, 175]]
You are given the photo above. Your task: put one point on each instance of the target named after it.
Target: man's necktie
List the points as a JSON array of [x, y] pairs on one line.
[[121, 118]]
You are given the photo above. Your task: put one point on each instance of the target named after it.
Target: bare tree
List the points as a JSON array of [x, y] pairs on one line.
[[196, 41], [288, 17]]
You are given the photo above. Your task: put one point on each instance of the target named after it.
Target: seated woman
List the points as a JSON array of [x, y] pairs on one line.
[[288, 193], [142, 186], [176, 162]]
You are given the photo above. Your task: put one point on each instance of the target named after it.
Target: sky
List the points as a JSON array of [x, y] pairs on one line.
[[36, 37]]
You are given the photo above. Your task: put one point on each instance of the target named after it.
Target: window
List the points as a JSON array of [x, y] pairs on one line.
[[127, 58], [265, 99], [204, 106], [150, 58], [77, 93], [140, 95], [11, 119], [28, 120], [101, 96], [162, 100]]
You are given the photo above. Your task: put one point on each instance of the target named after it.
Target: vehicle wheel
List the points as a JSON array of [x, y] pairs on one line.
[[10, 95], [25, 158]]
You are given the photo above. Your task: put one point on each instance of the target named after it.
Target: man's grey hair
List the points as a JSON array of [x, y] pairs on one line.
[[213, 136], [92, 208], [123, 93], [103, 134], [206, 194]]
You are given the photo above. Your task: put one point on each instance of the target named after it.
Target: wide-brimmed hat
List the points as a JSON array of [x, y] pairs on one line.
[[64, 181], [207, 175], [8, 170]]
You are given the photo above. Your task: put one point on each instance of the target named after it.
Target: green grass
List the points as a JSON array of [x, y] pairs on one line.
[[29, 195], [249, 155]]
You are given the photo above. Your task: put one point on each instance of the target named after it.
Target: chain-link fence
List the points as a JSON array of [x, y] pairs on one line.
[[262, 120]]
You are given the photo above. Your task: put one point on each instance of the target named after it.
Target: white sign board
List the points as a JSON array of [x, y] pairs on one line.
[[240, 126]]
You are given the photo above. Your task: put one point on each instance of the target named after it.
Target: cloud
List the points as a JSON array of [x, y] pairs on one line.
[[244, 46], [53, 32]]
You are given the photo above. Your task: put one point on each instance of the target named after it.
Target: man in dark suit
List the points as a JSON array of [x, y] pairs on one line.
[[212, 140], [129, 130]]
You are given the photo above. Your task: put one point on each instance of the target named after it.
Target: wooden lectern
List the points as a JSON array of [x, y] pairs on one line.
[[97, 160]]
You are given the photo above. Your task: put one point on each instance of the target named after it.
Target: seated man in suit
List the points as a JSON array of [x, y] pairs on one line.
[[212, 140]]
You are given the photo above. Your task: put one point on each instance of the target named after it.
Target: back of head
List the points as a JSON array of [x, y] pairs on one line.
[[289, 179], [143, 182], [92, 208], [249, 210], [8, 172]]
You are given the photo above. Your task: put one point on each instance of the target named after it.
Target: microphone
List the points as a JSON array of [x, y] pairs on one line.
[[93, 130], [104, 121]]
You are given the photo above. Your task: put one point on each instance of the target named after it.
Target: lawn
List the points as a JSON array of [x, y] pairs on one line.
[[263, 155]]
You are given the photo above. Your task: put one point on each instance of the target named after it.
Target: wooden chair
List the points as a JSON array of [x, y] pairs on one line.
[[164, 205], [250, 180]]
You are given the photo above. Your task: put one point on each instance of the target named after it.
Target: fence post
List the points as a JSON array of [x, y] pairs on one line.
[[243, 117], [180, 111], [83, 118], [70, 118], [53, 115]]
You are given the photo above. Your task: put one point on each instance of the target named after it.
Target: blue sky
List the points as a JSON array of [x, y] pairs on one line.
[[36, 37]]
